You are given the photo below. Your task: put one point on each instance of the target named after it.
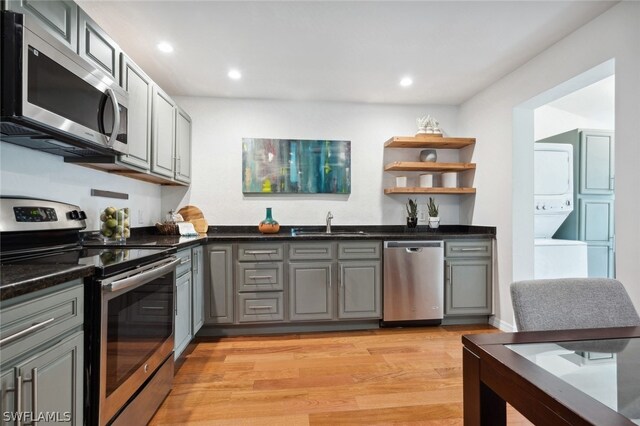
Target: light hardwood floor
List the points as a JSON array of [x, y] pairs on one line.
[[386, 376]]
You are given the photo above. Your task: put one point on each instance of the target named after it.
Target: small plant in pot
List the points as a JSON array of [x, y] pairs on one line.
[[412, 213], [432, 209]]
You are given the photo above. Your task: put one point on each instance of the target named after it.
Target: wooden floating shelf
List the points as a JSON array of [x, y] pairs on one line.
[[419, 190], [428, 141], [424, 166]]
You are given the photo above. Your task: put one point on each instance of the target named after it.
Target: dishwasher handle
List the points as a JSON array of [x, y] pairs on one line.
[[413, 246]]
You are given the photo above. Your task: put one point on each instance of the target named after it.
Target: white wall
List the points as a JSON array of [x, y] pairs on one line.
[[220, 124], [35, 174], [490, 116]]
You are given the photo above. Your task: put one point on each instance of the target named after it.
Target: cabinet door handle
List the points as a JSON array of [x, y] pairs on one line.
[[449, 273], [261, 251], [26, 331], [34, 394], [259, 307], [260, 277], [17, 401]]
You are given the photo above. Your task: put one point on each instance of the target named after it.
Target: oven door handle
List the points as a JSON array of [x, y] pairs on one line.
[[151, 272]]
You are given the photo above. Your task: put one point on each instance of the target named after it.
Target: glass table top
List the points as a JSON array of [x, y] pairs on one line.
[[606, 370]]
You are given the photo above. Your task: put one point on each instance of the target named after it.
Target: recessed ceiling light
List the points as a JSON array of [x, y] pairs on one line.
[[234, 74], [165, 47], [406, 81]]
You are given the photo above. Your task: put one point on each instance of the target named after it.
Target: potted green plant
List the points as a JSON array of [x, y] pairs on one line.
[[412, 213], [432, 210]]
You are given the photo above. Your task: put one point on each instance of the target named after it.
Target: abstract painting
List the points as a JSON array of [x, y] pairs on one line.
[[286, 166]]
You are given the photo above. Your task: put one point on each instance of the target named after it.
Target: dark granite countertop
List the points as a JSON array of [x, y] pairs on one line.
[[21, 279], [384, 232], [16, 280], [149, 237]]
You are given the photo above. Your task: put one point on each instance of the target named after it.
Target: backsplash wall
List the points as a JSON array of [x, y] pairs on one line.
[[26, 172], [220, 124]]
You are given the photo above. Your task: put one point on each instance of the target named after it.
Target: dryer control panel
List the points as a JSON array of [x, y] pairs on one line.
[[553, 205]]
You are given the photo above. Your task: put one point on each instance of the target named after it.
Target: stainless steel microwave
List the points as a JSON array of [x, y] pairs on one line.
[[53, 100]]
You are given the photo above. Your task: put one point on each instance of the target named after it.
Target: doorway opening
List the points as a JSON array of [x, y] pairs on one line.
[[582, 108]]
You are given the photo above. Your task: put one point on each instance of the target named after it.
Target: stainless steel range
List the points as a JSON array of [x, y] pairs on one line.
[[129, 307]]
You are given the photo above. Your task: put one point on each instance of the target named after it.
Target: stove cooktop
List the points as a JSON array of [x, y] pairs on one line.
[[106, 260]]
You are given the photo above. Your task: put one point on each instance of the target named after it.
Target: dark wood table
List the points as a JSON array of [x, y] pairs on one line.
[[494, 374]]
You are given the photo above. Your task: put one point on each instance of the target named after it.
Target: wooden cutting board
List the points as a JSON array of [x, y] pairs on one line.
[[194, 215]]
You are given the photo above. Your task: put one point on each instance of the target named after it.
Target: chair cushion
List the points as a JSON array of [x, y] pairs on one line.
[[571, 303]]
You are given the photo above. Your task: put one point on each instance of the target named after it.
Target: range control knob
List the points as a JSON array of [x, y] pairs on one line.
[[568, 202], [544, 207], [73, 215], [82, 214]]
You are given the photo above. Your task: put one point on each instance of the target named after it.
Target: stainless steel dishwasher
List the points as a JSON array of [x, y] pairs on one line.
[[413, 282]]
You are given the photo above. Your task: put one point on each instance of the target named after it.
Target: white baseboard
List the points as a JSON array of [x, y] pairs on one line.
[[501, 325]]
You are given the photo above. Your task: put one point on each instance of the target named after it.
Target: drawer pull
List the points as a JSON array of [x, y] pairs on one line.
[[260, 307], [185, 260], [311, 251], [26, 331], [260, 277], [359, 250], [471, 249], [261, 252], [153, 308]]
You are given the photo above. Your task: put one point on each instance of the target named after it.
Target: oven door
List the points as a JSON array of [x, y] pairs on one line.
[[136, 336]]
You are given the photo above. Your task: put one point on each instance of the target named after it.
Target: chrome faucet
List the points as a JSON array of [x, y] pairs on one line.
[[329, 217]]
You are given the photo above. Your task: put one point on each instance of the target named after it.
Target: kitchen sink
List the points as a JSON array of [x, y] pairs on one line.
[[302, 232]]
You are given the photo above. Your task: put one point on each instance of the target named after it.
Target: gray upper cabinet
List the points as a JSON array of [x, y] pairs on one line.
[[218, 284], [596, 162], [97, 47], [58, 17], [163, 134], [183, 146], [140, 89]]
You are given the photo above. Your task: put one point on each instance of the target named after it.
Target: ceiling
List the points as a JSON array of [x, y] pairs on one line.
[[596, 101], [354, 51]]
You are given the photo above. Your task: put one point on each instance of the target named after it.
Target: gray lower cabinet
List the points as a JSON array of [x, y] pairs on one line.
[[359, 289], [260, 284], [182, 331], [218, 289], [198, 290], [468, 278], [346, 287], [43, 356], [311, 290]]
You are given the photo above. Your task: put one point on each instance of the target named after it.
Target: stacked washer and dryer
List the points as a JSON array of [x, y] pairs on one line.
[[553, 202]]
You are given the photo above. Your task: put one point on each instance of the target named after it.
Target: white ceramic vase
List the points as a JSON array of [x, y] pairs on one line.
[[434, 222]]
